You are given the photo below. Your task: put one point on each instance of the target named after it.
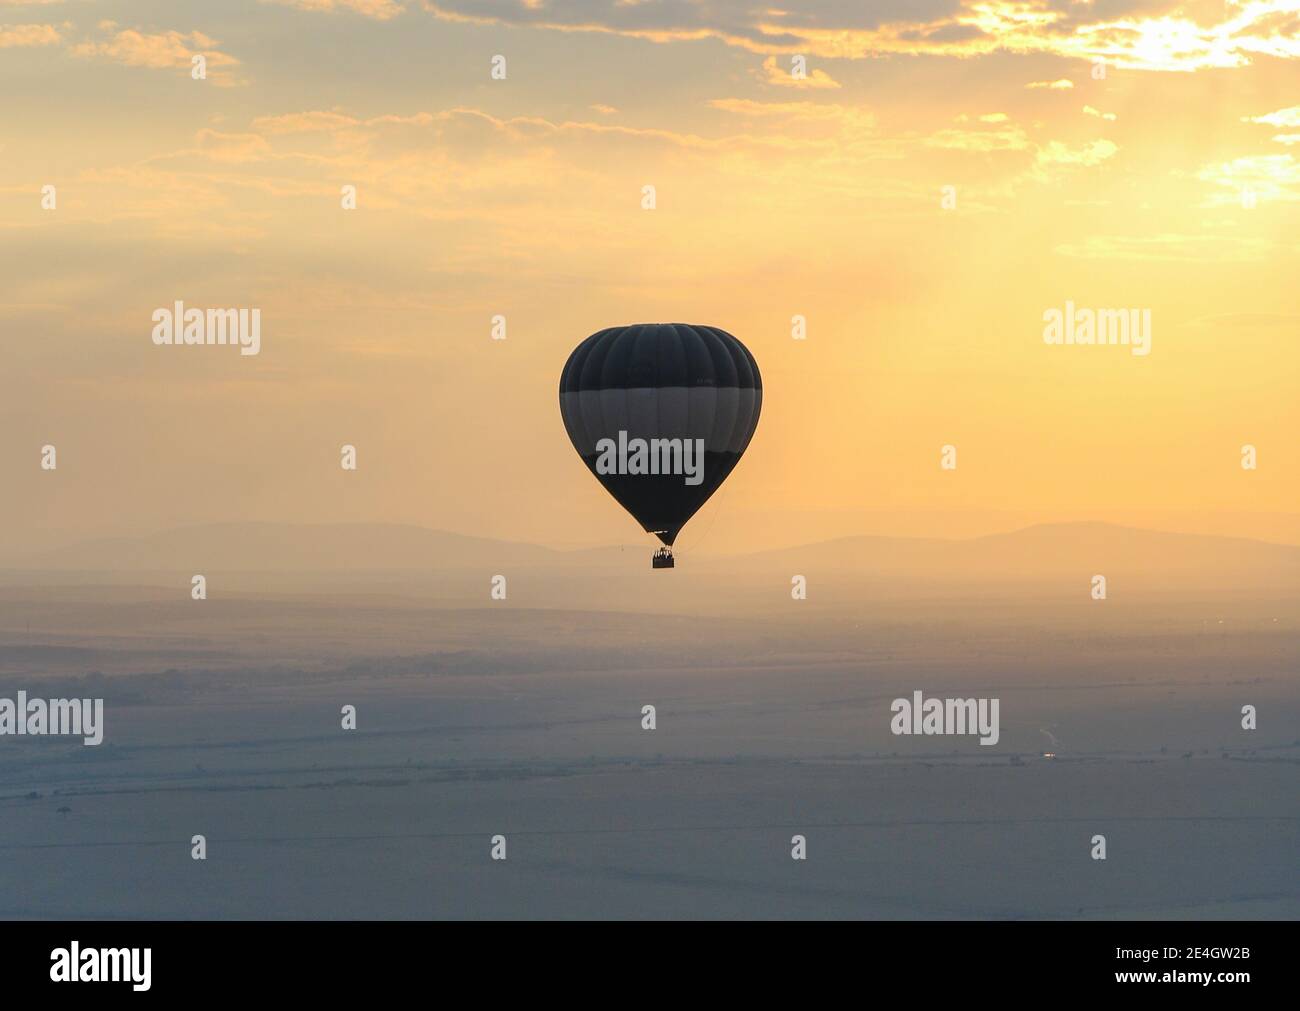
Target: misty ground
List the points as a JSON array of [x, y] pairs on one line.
[[223, 718]]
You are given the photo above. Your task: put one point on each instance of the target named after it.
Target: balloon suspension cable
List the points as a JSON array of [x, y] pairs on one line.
[[717, 508]]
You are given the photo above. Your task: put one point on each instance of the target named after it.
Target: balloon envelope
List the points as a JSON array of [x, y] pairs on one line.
[[665, 384]]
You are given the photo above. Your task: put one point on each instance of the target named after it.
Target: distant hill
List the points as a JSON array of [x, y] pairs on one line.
[[1047, 551], [1055, 554]]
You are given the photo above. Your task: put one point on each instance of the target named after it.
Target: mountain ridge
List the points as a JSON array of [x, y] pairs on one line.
[[275, 546]]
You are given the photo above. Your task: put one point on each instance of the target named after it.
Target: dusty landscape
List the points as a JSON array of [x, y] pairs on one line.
[[523, 718]]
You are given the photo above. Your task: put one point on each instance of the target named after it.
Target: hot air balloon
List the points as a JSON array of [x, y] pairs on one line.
[[660, 413]]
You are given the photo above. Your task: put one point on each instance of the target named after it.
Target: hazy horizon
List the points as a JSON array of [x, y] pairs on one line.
[[1282, 529]]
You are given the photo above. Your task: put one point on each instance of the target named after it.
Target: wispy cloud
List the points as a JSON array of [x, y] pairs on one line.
[[1272, 177], [1283, 117], [1092, 153], [159, 50], [774, 73], [1230, 35], [13, 36], [304, 122], [382, 10]]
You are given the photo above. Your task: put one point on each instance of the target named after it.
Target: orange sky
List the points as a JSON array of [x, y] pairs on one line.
[[1169, 182]]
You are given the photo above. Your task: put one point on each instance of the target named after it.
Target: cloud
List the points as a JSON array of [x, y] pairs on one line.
[[774, 73], [304, 122], [12, 36], [1225, 35], [1283, 117], [1088, 110], [159, 51], [381, 10], [1009, 138], [1272, 177], [1092, 153], [1003, 135], [812, 110], [1060, 85], [232, 147], [825, 126], [500, 176]]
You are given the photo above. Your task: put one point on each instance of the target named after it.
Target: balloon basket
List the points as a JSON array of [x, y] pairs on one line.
[[663, 559]]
